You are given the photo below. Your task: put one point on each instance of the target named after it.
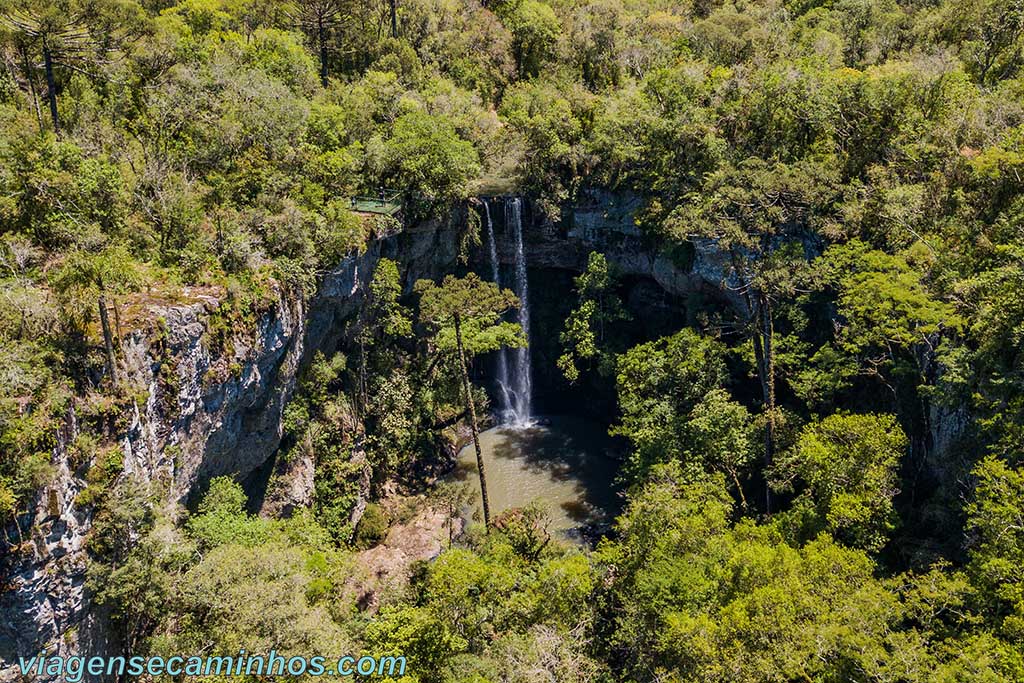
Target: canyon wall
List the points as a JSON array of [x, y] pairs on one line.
[[200, 412], [203, 412], [605, 221]]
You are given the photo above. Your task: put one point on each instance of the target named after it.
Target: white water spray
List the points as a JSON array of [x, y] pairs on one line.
[[523, 379], [505, 400], [514, 378]]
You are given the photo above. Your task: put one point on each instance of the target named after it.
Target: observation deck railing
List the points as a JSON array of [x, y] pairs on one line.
[[387, 202]]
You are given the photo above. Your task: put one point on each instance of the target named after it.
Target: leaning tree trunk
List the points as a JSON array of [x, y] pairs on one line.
[[472, 424], [394, 18], [108, 340], [51, 86]]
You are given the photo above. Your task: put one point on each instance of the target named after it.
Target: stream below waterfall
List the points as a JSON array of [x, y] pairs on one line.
[[566, 464]]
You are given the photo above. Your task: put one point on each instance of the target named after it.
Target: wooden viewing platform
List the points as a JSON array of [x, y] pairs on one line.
[[387, 203]]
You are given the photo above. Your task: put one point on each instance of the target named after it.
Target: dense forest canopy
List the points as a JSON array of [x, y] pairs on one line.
[[825, 477]]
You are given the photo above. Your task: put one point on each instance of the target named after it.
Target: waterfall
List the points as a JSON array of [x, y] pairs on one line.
[[505, 401], [523, 382], [514, 378]]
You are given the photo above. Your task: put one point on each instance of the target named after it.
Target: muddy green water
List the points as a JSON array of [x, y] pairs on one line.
[[567, 465]]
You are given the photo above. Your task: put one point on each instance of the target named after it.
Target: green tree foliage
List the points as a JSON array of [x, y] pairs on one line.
[[321, 429], [494, 607], [69, 35], [989, 35], [713, 602], [587, 337], [844, 469], [393, 411], [56, 193], [222, 518], [721, 435], [383, 322], [229, 581], [887, 311], [372, 527], [698, 598], [251, 598], [471, 309], [366, 420], [550, 120], [660, 384], [535, 28], [995, 521], [319, 20], [30, 369], [429, 161], [754, 212], [132, 580], [95, 276], [996, 318]]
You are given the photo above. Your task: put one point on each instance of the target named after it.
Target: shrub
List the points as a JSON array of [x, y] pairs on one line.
[[372, 528]]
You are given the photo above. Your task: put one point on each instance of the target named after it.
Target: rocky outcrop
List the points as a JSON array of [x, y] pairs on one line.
[[200, 412], [224, 412], [42, 595], [604, 221], [388, 565]]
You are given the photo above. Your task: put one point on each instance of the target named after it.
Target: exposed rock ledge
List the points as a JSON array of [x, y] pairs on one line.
[[604, 221], [218, 415]]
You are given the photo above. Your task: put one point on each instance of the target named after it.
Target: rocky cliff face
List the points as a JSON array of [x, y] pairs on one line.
[[197, 420], [201, 413], [604, 221], [204, 413]]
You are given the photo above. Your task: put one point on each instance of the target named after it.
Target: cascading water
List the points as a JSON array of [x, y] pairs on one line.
[[523, 387], [514, 378], [505, 409]]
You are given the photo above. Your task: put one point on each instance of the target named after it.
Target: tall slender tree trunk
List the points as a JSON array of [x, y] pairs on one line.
[[739, 488], [767, 334], [32, 87], [394, 18], [362, 373], [17, 527], [769, 432], [108, 340], [451, 523], [472, 424], [51, 86], [759, 317], [321, 35], [117, 320]]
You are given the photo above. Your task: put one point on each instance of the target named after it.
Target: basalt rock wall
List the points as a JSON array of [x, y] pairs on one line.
[[200, 412]]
